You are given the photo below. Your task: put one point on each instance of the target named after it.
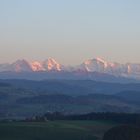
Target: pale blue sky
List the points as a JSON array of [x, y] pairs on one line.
[[70, 30]]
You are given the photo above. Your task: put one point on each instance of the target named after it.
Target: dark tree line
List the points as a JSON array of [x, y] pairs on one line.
[[122, 118]]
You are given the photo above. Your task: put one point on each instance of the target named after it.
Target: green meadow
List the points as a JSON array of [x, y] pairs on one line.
[[54, 130]]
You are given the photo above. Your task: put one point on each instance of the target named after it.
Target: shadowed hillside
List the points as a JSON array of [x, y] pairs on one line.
[[126, 132]]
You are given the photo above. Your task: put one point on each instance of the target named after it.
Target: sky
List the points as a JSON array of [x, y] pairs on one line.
[[70, 31]]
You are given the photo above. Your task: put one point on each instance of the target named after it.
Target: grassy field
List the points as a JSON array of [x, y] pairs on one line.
[[56, 130]]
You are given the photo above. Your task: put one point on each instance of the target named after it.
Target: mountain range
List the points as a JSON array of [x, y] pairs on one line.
[[95, 65]]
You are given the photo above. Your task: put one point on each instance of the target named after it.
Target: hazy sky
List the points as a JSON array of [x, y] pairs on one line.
[[70, 30]]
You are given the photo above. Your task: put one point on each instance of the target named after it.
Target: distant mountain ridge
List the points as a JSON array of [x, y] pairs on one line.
[[99, 65], [23, 98]]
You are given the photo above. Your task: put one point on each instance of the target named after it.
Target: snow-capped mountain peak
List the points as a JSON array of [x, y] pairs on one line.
[[96, 64], [20, 65], [52, 65], [49, 64], [101, 60], [37, 66]]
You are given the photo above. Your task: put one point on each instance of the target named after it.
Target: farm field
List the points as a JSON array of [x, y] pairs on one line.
[[54, 130]]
